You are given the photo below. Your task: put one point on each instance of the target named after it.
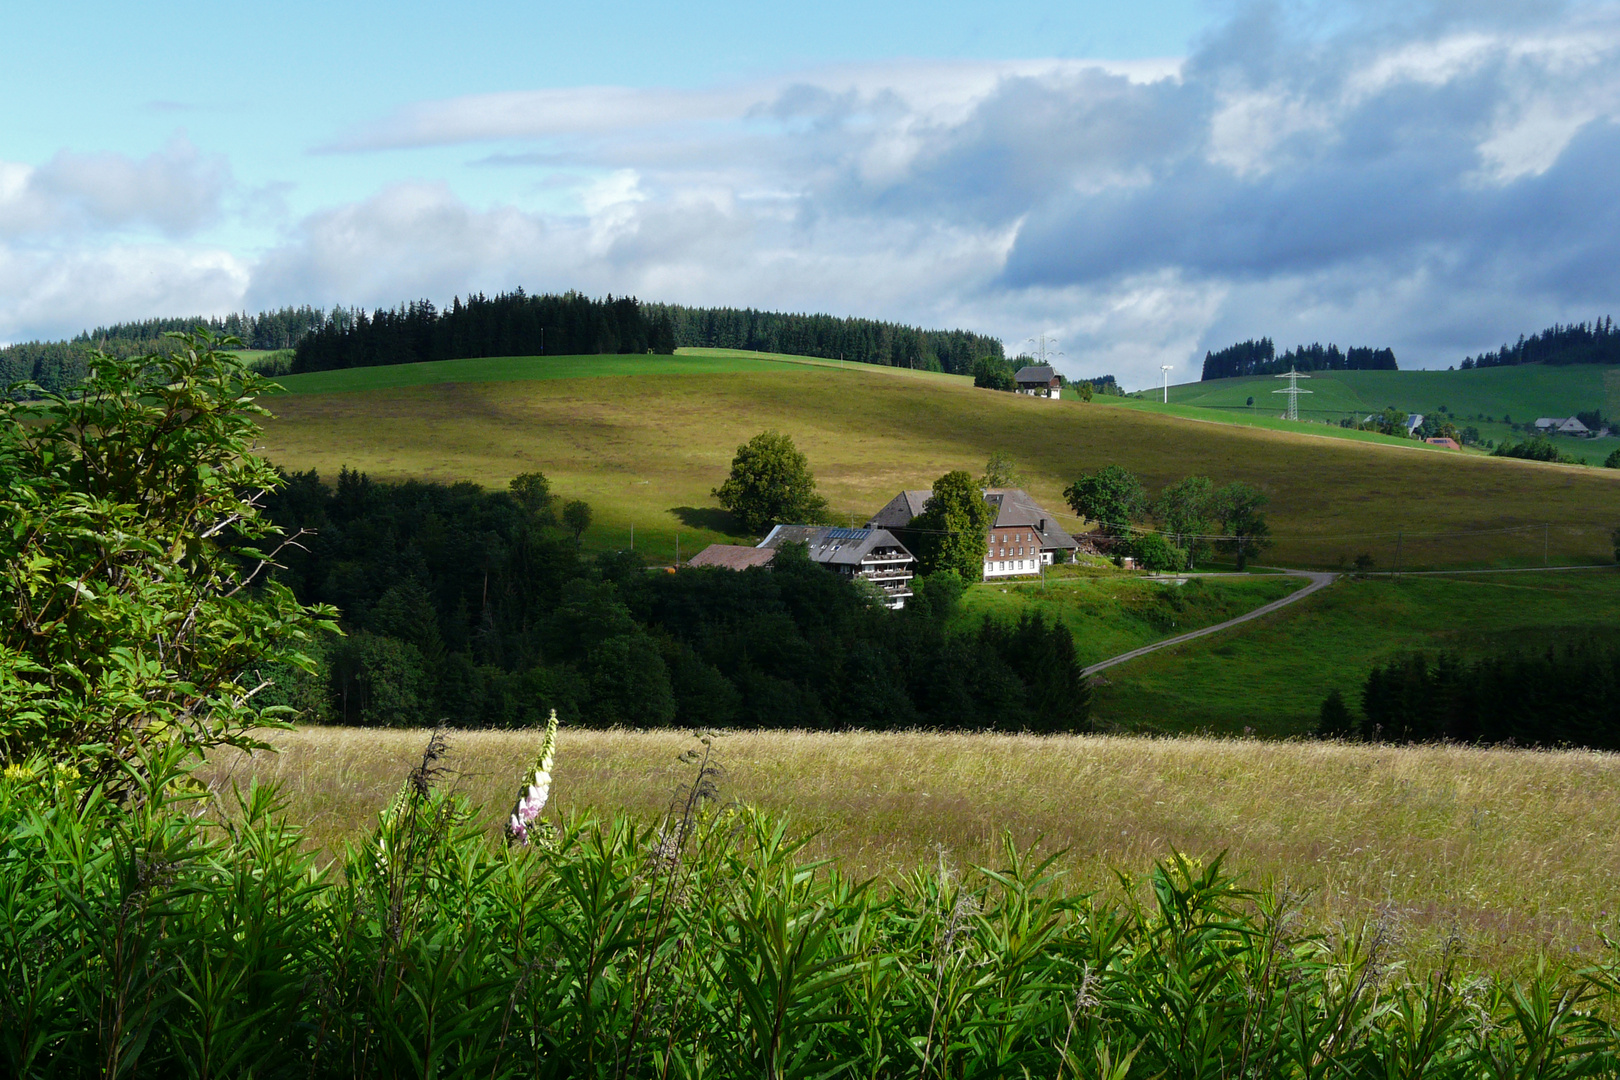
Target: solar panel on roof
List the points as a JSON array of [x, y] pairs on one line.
[[847, 534]]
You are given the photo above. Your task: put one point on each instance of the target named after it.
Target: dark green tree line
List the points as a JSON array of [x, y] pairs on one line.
[[1259, 357], [476, 608], [510, 324], [1596, 342], [1565, 696], [861, 341]]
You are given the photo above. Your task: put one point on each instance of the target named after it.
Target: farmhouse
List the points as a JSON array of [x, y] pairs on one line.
[[869, 554], [1038, 380], [1562, 425], [1449, 444], [1021, 539]]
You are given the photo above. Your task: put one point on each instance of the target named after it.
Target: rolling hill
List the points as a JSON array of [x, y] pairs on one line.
[[1484, 398], [646, 439]]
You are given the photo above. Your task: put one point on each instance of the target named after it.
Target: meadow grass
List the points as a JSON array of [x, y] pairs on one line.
[[1517, 850], [1524, 393], [1269, 676], [647, 450], [599, 366], [1109, 614]]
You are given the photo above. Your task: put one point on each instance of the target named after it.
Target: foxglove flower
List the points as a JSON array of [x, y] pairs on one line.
[[532, 799]]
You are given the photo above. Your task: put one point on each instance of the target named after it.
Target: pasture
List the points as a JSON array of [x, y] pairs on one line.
[[1269, 676], [1482, 398], [1114, 613], [1519, 851], [646, 449]]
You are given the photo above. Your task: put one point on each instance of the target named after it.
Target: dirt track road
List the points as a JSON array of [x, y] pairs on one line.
[[1318, 582]]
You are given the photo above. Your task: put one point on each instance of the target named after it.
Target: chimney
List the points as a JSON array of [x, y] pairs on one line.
[[1042, 526]]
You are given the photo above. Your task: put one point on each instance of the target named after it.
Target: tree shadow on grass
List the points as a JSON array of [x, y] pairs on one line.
[[713, 518]]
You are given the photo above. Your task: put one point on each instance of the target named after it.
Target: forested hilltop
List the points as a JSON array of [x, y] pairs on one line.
[[1582, 343], [56, 364], [863, 341], [1260, 358], [510, 324]]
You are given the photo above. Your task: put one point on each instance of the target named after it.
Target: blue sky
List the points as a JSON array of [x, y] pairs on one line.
[[1142, 181]]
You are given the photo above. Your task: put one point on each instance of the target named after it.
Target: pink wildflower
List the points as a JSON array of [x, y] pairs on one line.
[[532, 799]]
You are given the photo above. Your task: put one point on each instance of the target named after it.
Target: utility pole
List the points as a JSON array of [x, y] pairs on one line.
[[1398, 537], [1166, 369], [1545, 527]]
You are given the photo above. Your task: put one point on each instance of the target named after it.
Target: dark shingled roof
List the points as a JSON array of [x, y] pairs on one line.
[[733, 556], [832, 545], [900, 510], [1040, 374], [1013, 506], [1015, 509]]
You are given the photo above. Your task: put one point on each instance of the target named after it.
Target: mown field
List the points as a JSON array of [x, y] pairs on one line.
[[1518, 850], [1483, 398], [647, 449], [1269, 676]]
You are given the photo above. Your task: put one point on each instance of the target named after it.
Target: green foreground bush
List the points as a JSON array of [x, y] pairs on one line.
[[174, 936]]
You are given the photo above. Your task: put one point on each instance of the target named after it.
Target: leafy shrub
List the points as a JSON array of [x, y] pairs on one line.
[[150, 940], [1153, 552], [1535, 450], [993, 373], [132, 559]]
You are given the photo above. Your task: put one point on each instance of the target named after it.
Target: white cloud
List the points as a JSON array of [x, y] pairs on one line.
[[933, 90], [175, 191], [1429, 180], [46, 294]]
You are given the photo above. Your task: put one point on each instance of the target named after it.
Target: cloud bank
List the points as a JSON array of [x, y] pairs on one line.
[[1428, 178]]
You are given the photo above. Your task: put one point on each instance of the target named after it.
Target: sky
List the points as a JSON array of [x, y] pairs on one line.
[[1140, 182]]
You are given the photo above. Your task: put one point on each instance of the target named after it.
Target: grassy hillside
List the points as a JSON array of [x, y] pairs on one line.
[[1515, 849], [647, 449], [1270, 676], [524, 368], [1484, 397], [1114, 613]]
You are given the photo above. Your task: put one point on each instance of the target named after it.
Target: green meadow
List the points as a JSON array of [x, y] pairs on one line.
[[529, 368], [1484, 398], [645, 440], [1112, 613], [1269, 676]]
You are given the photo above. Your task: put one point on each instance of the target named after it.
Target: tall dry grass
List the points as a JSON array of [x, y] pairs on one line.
[[1519, 851]]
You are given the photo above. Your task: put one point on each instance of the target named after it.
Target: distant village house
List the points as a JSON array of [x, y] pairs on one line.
[[1022, 537], [872, 555], [1038, 380], [1562, 425], [868, 554]]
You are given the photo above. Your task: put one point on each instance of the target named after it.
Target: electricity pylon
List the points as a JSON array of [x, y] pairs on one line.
[[1041, 351], [1293, 391]]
